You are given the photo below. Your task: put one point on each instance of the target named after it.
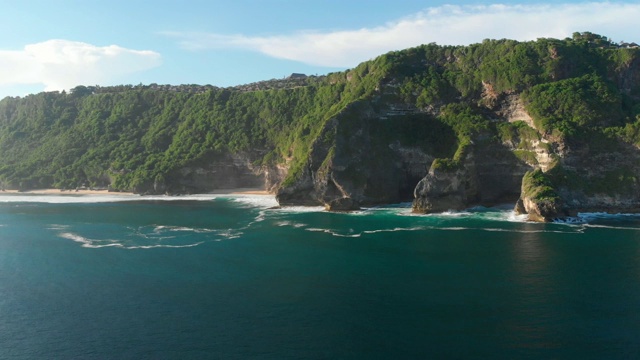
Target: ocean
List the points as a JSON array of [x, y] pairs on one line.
[[228, 277]]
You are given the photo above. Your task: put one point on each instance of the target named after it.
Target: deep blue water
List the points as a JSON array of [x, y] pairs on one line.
[[206, 277]]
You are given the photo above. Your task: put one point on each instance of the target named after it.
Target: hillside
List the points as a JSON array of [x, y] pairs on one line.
[[550, 125]]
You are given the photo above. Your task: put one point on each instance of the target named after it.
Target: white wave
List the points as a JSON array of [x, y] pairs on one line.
[[57, 227], [499, 213], [300, 209], [602, 215], [586, 220], [334, 233], [96, 244], [572, 220], [261, 201], [377, 231], [157, 234], [89, 243], [455, 214], [447, 228], [513, 217], [290, 224], [446, 215], [231, 234], [161, 229], [188, 229], [612, 227], [261, 217], [416, 228], [164, 246], [155, 237]]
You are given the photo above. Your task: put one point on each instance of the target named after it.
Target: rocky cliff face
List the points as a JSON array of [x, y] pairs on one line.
[[595, 173], [600, 177], [222, 171], [359, 158], [489, 175]]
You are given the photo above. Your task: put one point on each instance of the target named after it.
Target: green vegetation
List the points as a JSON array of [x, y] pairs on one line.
[[621, 181], [568, 105], [527, 156], [129, 137], [518, 132], [539, 187]]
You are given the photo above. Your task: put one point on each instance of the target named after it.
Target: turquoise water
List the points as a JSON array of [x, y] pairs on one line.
[[213, 277]]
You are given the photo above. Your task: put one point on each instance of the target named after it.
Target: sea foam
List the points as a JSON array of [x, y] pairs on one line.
[[261, 201], [155, 236], [90, 243]]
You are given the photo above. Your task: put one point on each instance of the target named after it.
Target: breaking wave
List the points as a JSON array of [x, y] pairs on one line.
[[150, 237], [260, 201], [352, 234], [90, 243]]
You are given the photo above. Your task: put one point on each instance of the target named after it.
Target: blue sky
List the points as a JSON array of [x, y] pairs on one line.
[[58, 44]]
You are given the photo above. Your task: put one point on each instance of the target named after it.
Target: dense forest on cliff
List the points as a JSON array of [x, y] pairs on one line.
[[440, 99]]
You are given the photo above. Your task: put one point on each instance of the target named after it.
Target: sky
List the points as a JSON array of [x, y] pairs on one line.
[[54, 45]]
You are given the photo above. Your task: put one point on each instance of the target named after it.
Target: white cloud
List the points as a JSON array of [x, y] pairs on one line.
[[445, 25], [63, 64]]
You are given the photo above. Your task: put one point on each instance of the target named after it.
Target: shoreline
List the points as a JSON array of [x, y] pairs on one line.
[[235, 191]]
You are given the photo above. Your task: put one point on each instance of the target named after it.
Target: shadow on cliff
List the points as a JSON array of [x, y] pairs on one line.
[[370, 156], [490, 174]]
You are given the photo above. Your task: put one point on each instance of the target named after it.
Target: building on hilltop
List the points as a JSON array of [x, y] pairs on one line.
[[629, 45], [297, 76]]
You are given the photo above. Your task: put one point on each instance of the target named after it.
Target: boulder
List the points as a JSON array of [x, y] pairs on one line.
[[342, 204]]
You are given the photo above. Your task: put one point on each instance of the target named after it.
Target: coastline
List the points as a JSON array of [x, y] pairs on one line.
[[66, 192], [240, 191], [234, 191]]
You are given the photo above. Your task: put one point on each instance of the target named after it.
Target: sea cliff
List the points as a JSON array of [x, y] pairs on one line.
[[552, 126]]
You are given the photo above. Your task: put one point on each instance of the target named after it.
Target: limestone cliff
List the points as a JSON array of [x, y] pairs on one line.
[[489, 175], [599, 175], [218, 172], [368, 155]]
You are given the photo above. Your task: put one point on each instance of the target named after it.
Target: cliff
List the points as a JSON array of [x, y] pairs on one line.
[[552, 126], [370, 153]]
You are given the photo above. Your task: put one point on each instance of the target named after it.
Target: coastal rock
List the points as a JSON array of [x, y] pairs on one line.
[[441, 191], [540, 210], [342, 204], [362, 154], [489, 175]]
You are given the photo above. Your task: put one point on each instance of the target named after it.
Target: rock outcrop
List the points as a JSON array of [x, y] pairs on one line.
[[358, 157], [342, 204], [441, 190], [539, 210], [218, 172], [490, 174]]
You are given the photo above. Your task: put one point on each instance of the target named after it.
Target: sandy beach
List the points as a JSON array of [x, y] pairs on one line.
[[65, 192], [241, 191], [238, 191]]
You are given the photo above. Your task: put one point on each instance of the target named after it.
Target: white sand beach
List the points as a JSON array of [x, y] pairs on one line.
[[238, 191]]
